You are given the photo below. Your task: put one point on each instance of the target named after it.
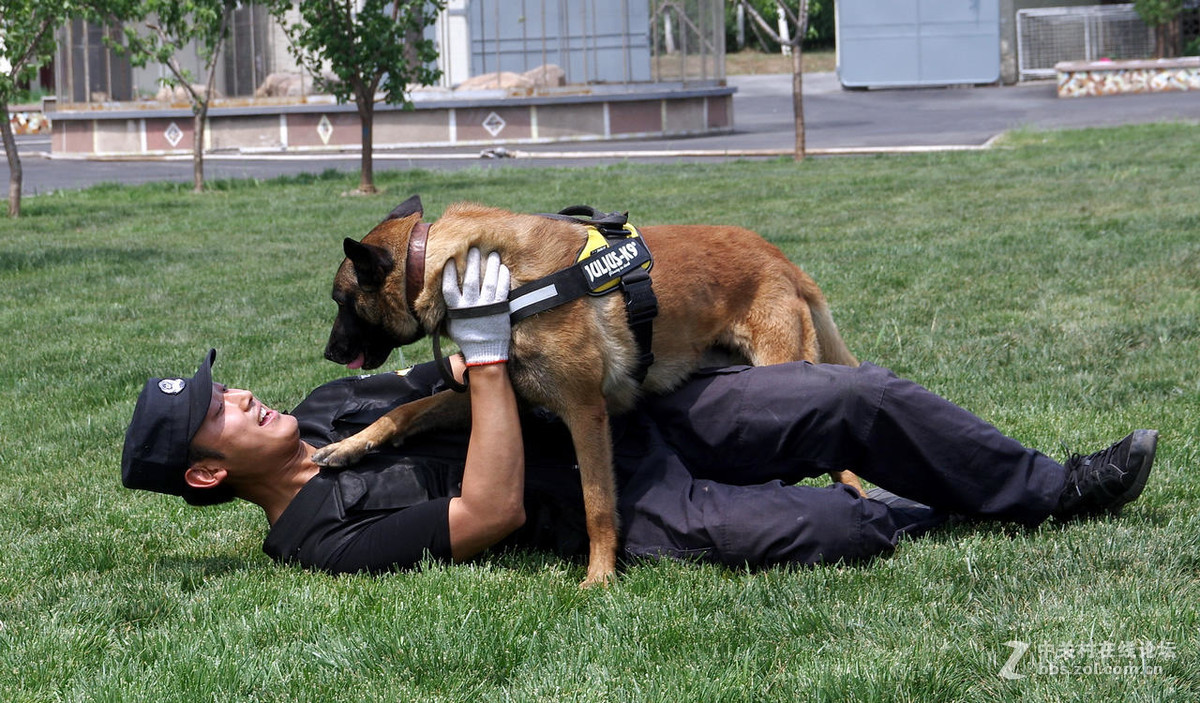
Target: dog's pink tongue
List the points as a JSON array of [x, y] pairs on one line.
[[357, 363]]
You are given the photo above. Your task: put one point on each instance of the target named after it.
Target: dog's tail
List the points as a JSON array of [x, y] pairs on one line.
[[833, 348]]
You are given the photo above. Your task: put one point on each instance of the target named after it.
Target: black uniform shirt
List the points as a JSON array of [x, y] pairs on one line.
[[391, 509]]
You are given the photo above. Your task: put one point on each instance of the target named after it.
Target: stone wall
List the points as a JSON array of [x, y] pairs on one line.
[[1093, 78], [308, 126]]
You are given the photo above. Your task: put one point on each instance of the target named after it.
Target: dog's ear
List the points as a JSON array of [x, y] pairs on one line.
[[372, 264], [406, 208]]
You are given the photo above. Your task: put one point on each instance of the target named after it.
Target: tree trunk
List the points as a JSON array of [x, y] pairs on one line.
[[798, 98], [1174, 38], [366, 115], [1168, 39], [198, 147], [14, 162]]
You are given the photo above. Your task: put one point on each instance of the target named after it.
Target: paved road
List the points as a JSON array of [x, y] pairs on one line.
[[835, 118]]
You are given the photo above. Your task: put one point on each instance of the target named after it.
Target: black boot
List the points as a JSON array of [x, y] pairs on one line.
[[1105, 481]]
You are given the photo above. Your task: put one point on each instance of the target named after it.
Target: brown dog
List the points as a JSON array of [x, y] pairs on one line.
[[717, 287]]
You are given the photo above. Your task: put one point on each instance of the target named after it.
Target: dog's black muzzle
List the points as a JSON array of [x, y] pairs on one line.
[[351, 339]]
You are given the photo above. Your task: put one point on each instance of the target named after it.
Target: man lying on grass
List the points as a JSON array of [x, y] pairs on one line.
[[706, 472]]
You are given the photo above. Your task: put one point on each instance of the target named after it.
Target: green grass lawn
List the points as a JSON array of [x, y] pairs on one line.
[[1051, 286]]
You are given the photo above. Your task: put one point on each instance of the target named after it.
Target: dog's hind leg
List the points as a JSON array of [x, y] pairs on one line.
[[850, 479], [798, 332], [775, 333], [833, 350], [590, 433]]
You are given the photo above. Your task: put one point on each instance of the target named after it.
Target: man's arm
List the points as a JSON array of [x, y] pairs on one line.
[[491, 505], [489, 508]]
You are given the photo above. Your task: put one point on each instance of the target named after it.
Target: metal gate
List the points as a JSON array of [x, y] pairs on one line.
[[1048, 35], [592, 41]]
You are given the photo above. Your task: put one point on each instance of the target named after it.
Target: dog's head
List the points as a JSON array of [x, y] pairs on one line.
[[374, 315]]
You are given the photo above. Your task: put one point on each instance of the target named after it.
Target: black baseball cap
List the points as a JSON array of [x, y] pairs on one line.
[[167, 416]]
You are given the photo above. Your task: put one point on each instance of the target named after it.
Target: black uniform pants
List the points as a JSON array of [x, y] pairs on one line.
[[706, 471]]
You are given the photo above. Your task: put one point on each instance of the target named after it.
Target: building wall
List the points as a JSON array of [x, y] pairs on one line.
[[314, 127]]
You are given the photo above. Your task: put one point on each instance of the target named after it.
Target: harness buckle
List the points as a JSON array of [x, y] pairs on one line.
[[641, 305], [614, 256]]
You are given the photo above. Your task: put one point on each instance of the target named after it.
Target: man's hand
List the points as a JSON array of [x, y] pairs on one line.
[[478, 311]]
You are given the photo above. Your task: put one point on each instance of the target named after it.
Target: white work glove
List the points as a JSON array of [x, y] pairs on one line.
[[478, 312]]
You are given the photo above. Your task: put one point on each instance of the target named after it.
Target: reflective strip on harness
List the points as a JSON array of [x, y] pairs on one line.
[[533, 297], [615, 256], [598, 272]]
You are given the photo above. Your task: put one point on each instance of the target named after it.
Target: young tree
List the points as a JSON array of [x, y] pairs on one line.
[[371, 47], [26, 42], [1163, 16], [164, 27], [797, 19]]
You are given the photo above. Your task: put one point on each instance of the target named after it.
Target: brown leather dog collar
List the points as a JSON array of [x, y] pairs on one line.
[[414, 266]]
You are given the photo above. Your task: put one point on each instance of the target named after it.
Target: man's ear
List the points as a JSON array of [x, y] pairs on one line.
[[205, 473]]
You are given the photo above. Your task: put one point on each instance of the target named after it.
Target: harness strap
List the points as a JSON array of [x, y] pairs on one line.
[[546, 293], [612, 224], [641, 307], [622, 263], [477, 311], [597, 274]]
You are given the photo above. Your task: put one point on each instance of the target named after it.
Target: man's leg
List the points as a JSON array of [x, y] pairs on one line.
[[793, 421], [667, 512]]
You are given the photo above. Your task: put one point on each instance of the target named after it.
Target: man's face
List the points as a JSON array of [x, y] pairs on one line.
[[251, 437]]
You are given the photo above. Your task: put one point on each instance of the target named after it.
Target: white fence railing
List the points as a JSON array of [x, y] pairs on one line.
[[1048, 35]]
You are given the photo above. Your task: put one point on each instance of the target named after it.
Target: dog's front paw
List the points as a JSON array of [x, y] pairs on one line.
[[343, 453], [599, 578]]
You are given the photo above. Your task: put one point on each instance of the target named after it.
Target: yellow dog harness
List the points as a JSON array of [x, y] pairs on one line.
[[614, 257]]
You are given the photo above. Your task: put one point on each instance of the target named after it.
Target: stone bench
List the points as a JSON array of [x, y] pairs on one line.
[[1089, 78]]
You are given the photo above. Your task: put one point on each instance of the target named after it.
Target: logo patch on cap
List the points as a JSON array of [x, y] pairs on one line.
[[171, 386]]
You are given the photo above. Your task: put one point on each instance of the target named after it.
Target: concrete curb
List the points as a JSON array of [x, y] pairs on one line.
[[501, 153]]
